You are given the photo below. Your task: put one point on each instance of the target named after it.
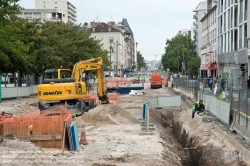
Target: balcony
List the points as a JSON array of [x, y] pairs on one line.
[[71, 18], [70, 7], [71, 13], [55, 19]]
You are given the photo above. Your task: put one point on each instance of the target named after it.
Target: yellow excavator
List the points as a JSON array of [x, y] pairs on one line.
[[61, 87]]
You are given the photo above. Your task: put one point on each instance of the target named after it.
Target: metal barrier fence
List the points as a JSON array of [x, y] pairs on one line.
[[231, 91]]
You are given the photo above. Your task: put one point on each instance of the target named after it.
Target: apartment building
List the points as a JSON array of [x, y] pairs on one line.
[[232, 38], [42, 15], [119, 40], [68, 10], [188, 32], [209, 42], [199, 13]]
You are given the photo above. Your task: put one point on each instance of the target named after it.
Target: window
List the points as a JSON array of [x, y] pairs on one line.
[[55, 2], [55, 7], [63, 15]]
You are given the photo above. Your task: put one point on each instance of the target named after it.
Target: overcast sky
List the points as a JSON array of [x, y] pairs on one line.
[[152, 21]]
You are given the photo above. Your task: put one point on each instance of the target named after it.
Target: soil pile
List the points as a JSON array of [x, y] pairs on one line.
[[107, 115]]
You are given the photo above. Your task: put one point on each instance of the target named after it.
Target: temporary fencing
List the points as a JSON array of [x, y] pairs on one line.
[[116, 82], [44, 131], [164, 82], [114, 98]]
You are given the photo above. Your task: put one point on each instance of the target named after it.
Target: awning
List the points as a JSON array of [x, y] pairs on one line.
[[209, 64], [212, 66], [127, 71]]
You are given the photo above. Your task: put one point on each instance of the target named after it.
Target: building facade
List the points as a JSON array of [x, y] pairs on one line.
[[118, 39], [232, 38], [200, 10], [68, 10], [208, 48], [188, 32], [42, 15]]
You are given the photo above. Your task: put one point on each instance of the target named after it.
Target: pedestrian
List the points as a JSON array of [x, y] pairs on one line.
[[210, 83], [199, 107], [248, 87], [215, 87], [222, 83]]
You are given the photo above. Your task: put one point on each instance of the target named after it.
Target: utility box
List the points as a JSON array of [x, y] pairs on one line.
[[0, 90]]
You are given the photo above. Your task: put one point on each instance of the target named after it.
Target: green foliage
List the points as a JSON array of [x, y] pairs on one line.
[[193, 65], [60, 44], [178, 49], [140, 61], [8, 9], [14, 47], [34, 47]]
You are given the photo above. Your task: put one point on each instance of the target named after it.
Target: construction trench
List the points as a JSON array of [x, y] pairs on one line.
[[196, 142], [113, 137]]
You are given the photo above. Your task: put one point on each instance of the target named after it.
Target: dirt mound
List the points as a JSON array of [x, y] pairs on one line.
[[107, 115]]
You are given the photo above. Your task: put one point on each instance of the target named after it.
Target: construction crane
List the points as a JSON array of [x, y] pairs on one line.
[[61, 87]]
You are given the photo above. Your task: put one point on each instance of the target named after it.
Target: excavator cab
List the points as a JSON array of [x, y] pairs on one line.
[[57, 76], [61, 87]]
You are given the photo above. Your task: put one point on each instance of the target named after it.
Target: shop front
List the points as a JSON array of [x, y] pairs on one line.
[[213, 69]]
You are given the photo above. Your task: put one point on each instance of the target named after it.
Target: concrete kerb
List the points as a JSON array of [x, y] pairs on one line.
[[231, 140]]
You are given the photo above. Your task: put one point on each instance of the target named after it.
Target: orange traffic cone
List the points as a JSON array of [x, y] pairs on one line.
[[83, 139]]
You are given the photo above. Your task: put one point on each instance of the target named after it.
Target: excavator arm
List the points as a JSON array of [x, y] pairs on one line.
[[88, 65]]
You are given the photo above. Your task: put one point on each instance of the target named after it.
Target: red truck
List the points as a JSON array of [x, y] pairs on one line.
[[156, 81]]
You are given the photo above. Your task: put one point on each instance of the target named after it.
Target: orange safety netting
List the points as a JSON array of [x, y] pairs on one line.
[[114, 98], [164, 82], [116, 82], [36, 124]]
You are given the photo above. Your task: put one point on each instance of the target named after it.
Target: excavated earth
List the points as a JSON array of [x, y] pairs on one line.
[[114, 136]]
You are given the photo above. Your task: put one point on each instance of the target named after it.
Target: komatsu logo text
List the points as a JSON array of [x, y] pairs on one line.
[[53, 93]]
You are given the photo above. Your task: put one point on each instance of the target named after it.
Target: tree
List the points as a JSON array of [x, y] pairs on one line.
[[8, 9], [14, 47], [193, 65], [178, 50], [61, 44], [140, 61]]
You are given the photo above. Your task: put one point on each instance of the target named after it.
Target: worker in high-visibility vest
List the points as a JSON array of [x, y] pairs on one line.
[[199, 107]]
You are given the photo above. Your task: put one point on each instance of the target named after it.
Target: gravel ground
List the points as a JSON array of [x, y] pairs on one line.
[[113, 133]]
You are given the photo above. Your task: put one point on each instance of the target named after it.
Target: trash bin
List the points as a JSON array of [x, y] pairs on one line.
[[0, 90]]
